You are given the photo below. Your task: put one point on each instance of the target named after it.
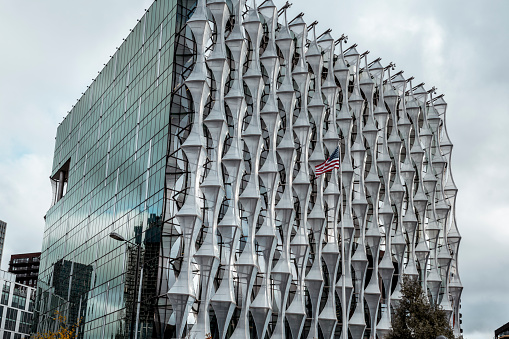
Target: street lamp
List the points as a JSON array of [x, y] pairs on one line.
[[118, 237]]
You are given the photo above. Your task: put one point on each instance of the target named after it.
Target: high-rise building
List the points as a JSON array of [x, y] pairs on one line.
[[26, 268], [502, 332], [263, 179], [16, 307], [3, 229]]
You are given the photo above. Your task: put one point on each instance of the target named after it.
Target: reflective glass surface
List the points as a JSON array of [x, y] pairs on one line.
[[108, 176]]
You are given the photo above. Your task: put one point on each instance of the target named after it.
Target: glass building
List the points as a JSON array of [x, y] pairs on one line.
[[16, 307], [110, 159], [231, 173], [3, 229]]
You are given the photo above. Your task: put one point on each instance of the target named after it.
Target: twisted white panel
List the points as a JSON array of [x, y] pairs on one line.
[[279, 245]]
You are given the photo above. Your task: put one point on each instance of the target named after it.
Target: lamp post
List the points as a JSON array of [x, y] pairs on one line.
[[118, 237]]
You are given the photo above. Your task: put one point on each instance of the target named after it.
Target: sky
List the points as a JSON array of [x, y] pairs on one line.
[[52, 49]]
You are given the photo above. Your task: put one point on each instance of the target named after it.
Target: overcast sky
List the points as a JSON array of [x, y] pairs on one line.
[[51, 50]]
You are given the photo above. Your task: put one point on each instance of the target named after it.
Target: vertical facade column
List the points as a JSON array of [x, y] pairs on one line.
[[182, 294], [262, 306], [314, 278], [357, 323], [344, 119], [372, 183], [330, 253], [296, 312], [285, 214]]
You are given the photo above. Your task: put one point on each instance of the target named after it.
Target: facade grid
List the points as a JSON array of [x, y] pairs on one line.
[[198, 144], [16, 307], [26, 268]]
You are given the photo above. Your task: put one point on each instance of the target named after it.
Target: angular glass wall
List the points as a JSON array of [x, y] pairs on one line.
[[109, 176]]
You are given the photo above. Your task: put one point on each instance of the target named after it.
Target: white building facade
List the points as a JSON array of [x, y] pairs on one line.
[[267, 246], [16, 307], [196, 148]]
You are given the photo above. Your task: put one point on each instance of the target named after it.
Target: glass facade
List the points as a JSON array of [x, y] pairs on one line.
[[108, 175], [199, 143], [16, 307]]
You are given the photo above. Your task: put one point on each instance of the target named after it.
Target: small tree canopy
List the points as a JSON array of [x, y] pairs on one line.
[[64, 331], [415, 318]]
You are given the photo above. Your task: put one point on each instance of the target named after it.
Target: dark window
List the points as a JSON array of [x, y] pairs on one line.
[[5, 293], [59, 181], [10, 319], [19, 297], [25, 322]]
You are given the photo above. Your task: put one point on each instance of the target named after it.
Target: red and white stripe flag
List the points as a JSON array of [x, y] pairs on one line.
[[329, 164]]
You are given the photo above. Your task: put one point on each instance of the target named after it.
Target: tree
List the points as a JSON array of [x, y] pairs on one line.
[[64, 331], [415, 318]]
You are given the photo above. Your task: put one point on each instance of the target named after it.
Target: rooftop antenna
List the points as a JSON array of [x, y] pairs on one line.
[[409, 80], [343, 37], [340, 42], [301, 14], [381, 88], [413, 88], [374, 61], [327, 31], [312, 25], [390, 66], [284, 8], [349, 48], [363, 54], [432, 91], [366, 63], [399, 73], [438, 97]]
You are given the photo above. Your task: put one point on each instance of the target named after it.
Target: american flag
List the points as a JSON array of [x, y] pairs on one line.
[[329, 164]]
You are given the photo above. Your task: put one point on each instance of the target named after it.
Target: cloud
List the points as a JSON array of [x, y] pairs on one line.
[[51, 52], [53, 49], [26, 195]]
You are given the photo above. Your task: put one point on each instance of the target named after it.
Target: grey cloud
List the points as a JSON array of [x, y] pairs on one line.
[[54, 48]]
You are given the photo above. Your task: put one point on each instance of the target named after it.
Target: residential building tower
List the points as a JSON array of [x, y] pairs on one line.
[[26, 268]]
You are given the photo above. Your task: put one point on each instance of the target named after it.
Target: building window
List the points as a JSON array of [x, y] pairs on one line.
[[59, 181], [5, 293], [25, 323], [10, 319], [19, 297], [31, 302], [7, 335]]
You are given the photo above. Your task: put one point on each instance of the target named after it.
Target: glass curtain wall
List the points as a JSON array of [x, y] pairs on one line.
[[108, 176]]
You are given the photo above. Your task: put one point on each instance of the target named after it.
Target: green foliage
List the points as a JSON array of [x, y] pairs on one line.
[[415, 318]]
